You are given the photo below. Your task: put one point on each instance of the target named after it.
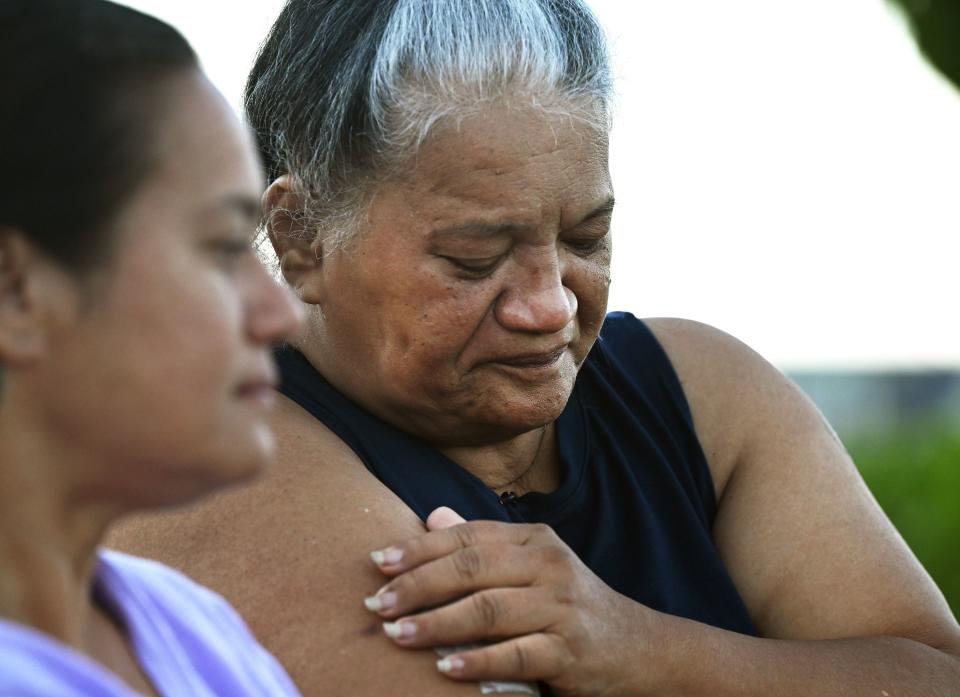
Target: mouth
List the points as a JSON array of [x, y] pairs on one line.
[[260, 390], [534, 360]]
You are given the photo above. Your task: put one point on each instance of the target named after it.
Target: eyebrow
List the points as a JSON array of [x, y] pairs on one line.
[[482, 228], [475, 228], [604, 208]]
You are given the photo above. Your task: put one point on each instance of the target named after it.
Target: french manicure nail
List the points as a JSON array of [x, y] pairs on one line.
[[450, 663], [380, 601], [399, 630], [390, 555]]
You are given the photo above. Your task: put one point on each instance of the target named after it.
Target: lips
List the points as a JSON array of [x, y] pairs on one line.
[[259, 386], [262, 395], [533, 360], [254, 387]]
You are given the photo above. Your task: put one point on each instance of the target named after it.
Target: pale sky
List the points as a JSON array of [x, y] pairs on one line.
[[785, 170]]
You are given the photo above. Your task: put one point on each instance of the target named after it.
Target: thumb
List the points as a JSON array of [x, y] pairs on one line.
[[443, 517]]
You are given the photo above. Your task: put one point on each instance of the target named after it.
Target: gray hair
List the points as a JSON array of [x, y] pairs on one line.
[[343, 92]]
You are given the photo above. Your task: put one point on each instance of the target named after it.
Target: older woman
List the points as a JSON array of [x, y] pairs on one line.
[[135, 325], [662, 511]]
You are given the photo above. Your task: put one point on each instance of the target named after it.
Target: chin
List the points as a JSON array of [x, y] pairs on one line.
[[246, 451], [246, 465], [246, 459], [510, 416]]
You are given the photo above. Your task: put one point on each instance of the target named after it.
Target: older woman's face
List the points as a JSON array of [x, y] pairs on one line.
[[166, 367], [479, 283]]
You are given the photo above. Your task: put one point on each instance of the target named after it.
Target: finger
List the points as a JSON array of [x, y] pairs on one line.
[[489, 614], [439, 543], [458, 574], [444, 517], [527, 658]]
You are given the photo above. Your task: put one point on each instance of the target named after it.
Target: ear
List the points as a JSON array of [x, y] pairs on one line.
[[298, 247], [30, 287]]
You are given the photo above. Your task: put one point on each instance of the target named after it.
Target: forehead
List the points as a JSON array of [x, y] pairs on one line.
[[511, 161], [203, 152]]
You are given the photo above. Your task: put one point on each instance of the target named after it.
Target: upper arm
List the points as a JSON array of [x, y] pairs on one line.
[[291, 553], [806, 544]]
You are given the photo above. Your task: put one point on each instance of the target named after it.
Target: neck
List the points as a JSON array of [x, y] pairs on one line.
[[523, 463], [528, 462], [48, 536]]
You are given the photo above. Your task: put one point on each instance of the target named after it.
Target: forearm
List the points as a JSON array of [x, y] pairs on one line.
[[694, 659]]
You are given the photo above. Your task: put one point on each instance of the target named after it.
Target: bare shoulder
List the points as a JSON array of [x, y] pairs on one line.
[[729, 388], [291, 553], [809, 549]]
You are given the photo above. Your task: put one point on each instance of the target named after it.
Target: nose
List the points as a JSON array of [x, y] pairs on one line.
[[536, 300], [273, 314]]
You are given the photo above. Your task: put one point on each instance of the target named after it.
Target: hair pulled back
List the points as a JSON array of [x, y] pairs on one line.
[[78, 81], [344, 91]]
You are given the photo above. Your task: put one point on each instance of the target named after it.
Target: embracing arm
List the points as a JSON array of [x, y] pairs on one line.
[[844, 606], [291, 553]]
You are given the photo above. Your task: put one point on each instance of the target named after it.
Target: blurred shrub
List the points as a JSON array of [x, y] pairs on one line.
[[936, 24], [914, 472]]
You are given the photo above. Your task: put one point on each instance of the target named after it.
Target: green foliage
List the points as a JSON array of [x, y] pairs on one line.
[[936, 24], [914, 472]]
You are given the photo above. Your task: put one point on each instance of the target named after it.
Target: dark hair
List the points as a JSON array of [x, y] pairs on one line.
[[77, 90], [344, 91]]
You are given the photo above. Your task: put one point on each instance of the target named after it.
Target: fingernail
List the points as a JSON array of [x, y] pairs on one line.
[[400, 630], [380, 601], [390, 555], [450, 664]]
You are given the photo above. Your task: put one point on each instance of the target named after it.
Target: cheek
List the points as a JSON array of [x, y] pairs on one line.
[[427, 344], [595, 274], [150, 386], [596, 291], [415, 323], [186, 338], [591, 284], [208, 332]]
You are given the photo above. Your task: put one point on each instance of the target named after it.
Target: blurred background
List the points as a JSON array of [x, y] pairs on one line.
[[787, 171]]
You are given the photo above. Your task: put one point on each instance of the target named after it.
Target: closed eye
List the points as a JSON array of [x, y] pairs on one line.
[[229, 251], [585, 246], [474, 268]]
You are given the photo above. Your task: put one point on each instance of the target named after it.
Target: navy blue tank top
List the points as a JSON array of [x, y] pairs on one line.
[[636, 500]]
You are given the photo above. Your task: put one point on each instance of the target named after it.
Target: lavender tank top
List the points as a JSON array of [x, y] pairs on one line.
[[188, 640]]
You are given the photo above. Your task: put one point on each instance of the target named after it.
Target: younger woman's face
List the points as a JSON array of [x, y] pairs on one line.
[[164, 377]]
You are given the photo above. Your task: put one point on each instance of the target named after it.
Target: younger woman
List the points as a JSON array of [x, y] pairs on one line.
[[135, 327]]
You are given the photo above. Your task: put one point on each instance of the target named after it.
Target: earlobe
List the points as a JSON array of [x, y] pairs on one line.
[[295, 242]]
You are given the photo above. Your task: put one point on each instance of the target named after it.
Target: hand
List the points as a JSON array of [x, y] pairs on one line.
[[521, 586]]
